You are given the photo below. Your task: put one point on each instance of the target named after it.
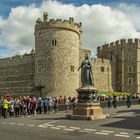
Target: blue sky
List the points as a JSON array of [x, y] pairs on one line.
[[6, 5], [124, 15]]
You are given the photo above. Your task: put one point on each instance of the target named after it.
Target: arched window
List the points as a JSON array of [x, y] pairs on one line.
[[130, 68], [130, 81]]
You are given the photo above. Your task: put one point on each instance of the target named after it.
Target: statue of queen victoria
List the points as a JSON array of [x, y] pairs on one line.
[[86, 72]]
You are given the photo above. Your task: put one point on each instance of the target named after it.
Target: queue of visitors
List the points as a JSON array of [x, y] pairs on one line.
[[30, 106], [27, 106]]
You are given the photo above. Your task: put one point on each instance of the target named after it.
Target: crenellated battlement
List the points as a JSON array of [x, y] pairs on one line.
[[57, 23], [123, 43]]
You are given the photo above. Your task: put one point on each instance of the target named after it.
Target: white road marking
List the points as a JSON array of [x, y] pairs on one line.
[[53, 121], [42, 126], [69, 129], [101, 133], [12, 123], [21, 124], [124, 133], [46, 124], [32, 125], [106, 131], [61, 126], [49, 125], [55, 128], [119, 135], [86, 129], [124, 114], [74, 127], [138, 137]]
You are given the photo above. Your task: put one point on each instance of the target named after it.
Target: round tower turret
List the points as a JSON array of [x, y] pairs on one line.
[[57, 45]]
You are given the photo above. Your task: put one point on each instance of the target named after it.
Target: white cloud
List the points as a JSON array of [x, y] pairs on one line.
[[18, 29], [132, 11], [100, 23]]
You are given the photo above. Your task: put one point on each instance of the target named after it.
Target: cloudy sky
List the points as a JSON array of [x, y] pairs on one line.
[[102, 21]]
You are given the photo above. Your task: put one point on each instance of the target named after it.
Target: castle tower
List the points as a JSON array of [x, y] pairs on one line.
[[57, 45], [125, 59]]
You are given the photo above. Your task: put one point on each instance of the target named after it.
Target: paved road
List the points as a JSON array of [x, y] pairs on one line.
[[124, 123]]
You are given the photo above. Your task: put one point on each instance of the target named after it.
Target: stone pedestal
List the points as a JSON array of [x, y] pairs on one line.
[[87, 108], [87, 94], [87, 111]]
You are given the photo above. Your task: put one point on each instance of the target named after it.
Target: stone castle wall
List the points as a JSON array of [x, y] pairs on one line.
[[57, 45], [102, 73], [17, 74]]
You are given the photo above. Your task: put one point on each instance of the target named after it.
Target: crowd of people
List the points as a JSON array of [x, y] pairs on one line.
[[28, 106], [120, 96], [112, 99]]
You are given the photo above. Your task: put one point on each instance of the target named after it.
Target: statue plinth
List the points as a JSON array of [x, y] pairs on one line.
[[87, 108]]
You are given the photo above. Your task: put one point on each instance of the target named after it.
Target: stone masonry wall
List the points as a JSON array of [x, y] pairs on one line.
[[124, 58], [102, 74], [57, 58], [17, 74]]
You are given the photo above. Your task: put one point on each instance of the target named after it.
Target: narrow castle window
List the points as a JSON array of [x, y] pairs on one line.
[[102, 69], [72, 68], [130, 56], [130, 68], [130, 81], [54, 42]]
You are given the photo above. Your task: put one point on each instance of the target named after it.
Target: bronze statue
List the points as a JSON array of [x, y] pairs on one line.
[[86, 72]]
